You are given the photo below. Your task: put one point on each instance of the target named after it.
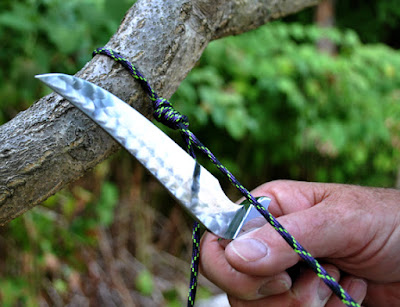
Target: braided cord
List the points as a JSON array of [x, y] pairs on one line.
[[164, 112], [194, 265], [296, 246]]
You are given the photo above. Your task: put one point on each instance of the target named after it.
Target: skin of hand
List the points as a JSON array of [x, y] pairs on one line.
[[353, 231]]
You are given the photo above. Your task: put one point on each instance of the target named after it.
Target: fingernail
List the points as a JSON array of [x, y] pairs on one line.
[[249, 249], [323, 290], [358, 289], [273, 287]]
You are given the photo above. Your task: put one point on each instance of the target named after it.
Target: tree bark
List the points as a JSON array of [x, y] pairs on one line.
[[325, 18], [52, 143]]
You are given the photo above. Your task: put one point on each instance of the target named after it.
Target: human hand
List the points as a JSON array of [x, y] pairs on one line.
[[354, 229]]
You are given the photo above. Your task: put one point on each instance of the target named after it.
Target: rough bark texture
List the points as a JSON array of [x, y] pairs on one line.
[[52, 143]]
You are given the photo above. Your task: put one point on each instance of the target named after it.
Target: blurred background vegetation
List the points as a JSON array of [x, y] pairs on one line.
[[315, 96]]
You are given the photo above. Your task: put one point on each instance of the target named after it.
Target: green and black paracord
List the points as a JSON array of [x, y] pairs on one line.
[[166, 114]]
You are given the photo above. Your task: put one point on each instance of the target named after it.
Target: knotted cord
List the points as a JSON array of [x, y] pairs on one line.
[[166, 114]]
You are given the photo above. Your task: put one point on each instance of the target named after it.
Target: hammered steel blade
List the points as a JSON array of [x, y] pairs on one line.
[[165, 160]]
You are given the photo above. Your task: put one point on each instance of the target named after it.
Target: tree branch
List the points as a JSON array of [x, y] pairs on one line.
[[52, 143]]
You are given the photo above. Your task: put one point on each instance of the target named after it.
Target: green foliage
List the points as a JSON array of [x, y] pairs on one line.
[[106, 204], [300, 113], [268, 103], [39, 36], [375, 21], [145, 283], [172, 298], [15, 292], [40, 233], [99, 212]]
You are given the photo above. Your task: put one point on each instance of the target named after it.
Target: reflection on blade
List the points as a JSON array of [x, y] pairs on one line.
[[168, 162]]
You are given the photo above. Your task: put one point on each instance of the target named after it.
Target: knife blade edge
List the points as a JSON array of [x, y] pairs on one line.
[[167, 161]]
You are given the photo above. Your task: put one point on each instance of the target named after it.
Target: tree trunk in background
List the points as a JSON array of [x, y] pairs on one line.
[[325, 18], [52, 143]]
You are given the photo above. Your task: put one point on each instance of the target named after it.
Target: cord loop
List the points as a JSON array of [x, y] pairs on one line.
[[167, 115]]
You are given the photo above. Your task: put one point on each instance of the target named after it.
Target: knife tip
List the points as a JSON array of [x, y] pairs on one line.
[[56, 81], [44, 77]]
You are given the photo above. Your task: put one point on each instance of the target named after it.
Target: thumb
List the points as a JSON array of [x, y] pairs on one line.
[[314, 224]]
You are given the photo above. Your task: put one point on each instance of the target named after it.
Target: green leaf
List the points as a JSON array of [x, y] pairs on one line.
[[106, 204], [145, 283], [235, 123], [19, 18]]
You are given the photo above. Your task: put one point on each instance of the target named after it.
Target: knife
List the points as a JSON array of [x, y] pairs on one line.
[[193, 186]]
